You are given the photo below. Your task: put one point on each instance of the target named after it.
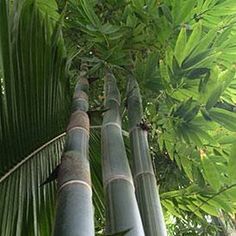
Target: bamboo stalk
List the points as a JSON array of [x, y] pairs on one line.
[[144, 178], [74, 216], [122, 209]]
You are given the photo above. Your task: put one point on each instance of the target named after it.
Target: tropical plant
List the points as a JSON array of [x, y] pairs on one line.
[[183, 59], [35, 101]]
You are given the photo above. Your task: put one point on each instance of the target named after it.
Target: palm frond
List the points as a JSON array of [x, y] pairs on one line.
[[35, 93], [27, 208], [34, 106]]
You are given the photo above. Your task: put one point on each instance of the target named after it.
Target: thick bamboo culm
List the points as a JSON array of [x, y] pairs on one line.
[[144, 178], [122, 209], [74, 216]]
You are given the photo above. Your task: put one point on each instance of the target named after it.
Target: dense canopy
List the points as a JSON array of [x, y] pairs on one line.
[[183, 55]]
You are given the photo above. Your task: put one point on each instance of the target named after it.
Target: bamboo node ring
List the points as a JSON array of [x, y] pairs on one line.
[[81, 182]]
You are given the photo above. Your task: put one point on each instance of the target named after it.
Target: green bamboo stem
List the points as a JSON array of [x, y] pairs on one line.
[[144, 178], [122, 209], [74, 216]]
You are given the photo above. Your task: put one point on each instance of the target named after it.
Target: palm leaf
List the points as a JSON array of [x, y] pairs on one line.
[[28, 209], [35, 100], [34, 106], [36, 97]]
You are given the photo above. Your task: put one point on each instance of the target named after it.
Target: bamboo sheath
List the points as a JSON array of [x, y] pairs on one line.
[[144, 178], [122, 209], [74, 215]]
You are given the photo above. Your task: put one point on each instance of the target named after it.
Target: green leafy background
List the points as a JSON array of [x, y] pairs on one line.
[[184, 60]]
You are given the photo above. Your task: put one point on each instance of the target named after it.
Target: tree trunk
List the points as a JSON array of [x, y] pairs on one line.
[[74, 216], [122, 209], [144, 177]]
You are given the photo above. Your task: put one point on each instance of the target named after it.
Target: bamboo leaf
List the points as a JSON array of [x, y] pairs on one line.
[[184, 11], [227, 77], [91, 15], [214, 97], [194, 137], [224, 118], [220, 203], [232, 164], [171, 208], [227, 139], [180, 45], [187, 166], [210, 209], [205, 114], [211, 173], [198, 72], [205, 43], [193, 61], [166, 12], [193, 39], [191, 113]]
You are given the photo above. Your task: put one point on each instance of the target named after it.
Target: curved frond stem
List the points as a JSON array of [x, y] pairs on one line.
[[31, 155]]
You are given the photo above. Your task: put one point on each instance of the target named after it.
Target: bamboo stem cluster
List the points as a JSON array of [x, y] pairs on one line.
[[132, 207]]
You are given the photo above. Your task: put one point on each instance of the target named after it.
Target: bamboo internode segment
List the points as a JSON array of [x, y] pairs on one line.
[[83, 85], [80, 101], [74, 166], [145, 181], [122, 209], [79, 119], [142, 161], [74, 208], [80, 95], [115, 161], [72, 144], [111, 91], [75, 214]]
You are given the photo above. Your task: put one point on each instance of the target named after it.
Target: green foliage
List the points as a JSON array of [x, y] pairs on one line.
[[34, 105], [31, 101], [184, 60]]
